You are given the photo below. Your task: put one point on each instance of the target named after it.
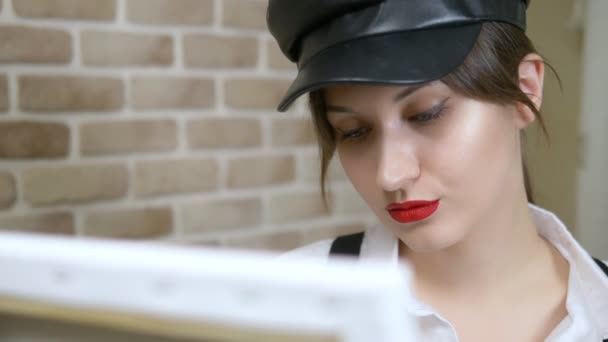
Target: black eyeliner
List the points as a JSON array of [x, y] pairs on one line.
[[435, 112]]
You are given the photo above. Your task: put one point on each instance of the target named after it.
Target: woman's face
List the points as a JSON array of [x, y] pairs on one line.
[[399, 144]]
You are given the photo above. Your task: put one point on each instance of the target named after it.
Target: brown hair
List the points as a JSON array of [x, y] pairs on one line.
[[489, 73]]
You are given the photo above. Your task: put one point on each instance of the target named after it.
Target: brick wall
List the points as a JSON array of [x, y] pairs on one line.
[[154, 119]]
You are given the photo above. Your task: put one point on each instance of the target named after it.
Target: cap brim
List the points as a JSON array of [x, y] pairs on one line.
[[401, 58]]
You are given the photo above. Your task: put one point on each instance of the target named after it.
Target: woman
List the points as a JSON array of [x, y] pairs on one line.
[[425, 102]]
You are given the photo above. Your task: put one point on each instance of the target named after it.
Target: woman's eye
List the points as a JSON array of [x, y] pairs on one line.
[[434, 113], [353, 134], [423, 117]]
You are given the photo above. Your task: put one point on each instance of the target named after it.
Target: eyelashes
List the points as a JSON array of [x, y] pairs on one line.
[[353, 134], [432, 114], [422, 119]]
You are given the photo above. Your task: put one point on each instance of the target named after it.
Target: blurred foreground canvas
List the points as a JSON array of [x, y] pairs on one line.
[[66, 289]]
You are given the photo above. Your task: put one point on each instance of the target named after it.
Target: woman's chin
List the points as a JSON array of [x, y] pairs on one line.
[[426, 246], [428, 238]]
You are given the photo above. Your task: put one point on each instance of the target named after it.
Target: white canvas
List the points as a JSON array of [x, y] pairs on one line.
[[353, 300]]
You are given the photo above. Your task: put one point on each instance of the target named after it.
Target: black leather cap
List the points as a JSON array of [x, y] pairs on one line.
[[380, 41]]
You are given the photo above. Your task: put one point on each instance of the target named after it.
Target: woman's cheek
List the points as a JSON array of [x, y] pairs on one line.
[[479, 153], [355, 168]]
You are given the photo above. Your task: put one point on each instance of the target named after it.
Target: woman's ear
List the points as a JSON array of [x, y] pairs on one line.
[[531, 77]]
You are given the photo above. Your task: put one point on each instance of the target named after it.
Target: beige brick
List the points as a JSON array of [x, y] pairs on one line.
[[247, 14], [175, 176], [172, 93], [21, 44], [255, 93], [325, 232], [276, 59], [260, 171], [22, 139], [101, 48], [336, 171], [292, 132], [220, 215], [54, 223], [8, 192], [348, 201], [129, 223], [70, 93], [66, 9], [291, 239], [309, 169], [346, 229], [74, 184], [224, 133], [198, 242], [128, 136], [208, 51], [295, 206], [174, 12], [271, 241], [4, 102]]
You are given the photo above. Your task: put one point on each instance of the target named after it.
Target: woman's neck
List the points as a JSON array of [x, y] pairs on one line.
[[502, 251], [502, 270]]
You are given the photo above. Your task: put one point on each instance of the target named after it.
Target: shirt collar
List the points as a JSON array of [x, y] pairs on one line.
[[587, 282], [588, 285]]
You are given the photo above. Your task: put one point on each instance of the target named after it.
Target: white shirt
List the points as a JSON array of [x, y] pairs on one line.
[[586, 302]]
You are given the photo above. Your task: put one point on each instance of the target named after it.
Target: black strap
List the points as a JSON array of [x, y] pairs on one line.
[[347, 245], [605, 269], [601, 265]]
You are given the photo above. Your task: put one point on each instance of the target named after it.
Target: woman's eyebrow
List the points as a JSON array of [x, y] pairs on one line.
[[408, 91], [400, 96], [340, 109]]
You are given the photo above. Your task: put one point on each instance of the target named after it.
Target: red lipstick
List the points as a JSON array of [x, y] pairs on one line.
[[412, 211]]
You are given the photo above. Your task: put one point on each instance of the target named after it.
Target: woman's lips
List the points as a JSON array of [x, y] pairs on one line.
[[412, 211]]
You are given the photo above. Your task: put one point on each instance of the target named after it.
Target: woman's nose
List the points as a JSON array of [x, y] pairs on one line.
[[397, 166]]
